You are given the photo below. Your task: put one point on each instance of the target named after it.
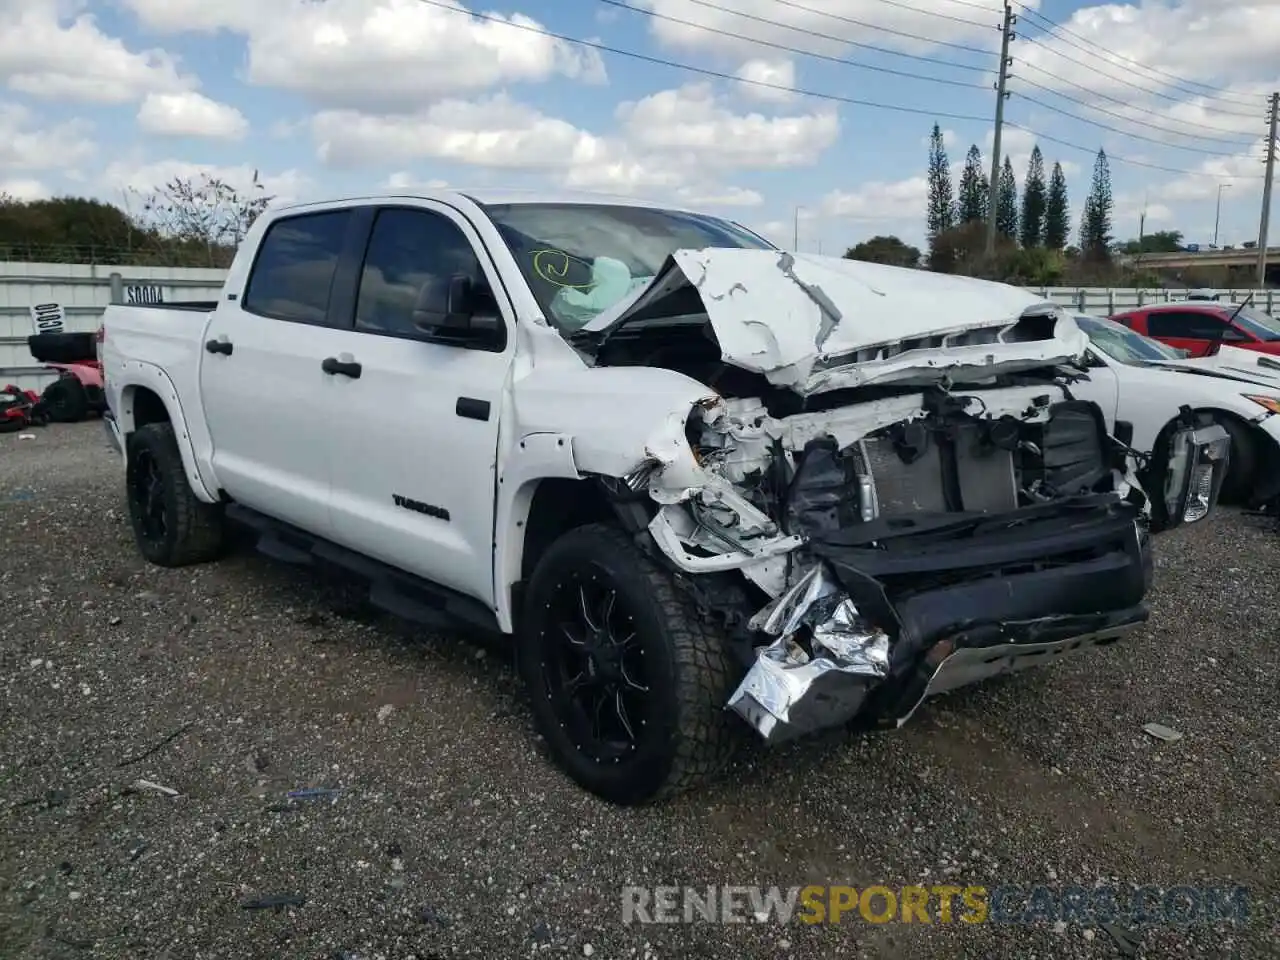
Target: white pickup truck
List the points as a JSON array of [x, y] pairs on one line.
[[699, 480]]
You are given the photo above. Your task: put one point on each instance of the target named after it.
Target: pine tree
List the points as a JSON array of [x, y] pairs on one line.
[[1034, 199], [1057, 215], [1095, 225], [974, 189], [942, 205], [1007, 204]]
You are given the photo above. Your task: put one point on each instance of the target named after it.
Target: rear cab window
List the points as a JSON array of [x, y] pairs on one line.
[[292, 275]]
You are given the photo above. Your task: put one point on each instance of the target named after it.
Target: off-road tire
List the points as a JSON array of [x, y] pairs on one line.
[[690, 735], [66, 400], [195, 531]]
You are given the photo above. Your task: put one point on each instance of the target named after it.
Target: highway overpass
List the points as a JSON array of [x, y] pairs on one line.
[[1238, 257]]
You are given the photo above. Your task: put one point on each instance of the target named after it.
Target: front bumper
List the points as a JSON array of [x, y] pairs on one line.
[[949, 601]]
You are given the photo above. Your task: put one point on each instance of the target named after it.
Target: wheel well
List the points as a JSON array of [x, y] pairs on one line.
[[147, 407], [559, 505]]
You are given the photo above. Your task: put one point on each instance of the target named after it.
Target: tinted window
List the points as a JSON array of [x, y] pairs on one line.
[[1179, 323], [412, 254], [294, 271]]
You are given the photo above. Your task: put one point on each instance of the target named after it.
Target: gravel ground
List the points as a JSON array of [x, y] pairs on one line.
[[453, 836]]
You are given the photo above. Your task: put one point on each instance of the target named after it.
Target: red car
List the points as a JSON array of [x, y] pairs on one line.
[[1199, 327]]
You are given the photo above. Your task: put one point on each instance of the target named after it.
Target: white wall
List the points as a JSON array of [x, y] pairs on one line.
[[84, 290], [1106, 301]]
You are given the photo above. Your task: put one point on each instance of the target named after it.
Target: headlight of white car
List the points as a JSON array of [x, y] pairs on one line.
[[1271, 404]]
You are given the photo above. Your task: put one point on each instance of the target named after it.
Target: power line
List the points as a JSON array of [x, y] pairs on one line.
[[1121, 116], [799, 91], [862, 23], [936, 14], [662, 62], [806, 53], [1108, 97], [1215, 93], [1128, 161]]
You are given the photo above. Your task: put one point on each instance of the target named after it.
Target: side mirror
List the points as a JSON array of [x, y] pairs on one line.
[[445, 308], [458, 311]]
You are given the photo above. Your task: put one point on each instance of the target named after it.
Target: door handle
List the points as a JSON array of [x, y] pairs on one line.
[[219, 346], [348, 368]]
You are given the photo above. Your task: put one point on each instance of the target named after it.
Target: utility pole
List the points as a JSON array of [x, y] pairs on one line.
[[1266, 192], [795, 233], [993, 199]]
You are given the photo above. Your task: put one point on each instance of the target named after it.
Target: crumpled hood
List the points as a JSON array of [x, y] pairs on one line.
[[814, 323]]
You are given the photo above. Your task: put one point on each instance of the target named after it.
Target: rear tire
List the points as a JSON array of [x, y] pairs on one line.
[[628, 684], [65, 400], [171, 526]]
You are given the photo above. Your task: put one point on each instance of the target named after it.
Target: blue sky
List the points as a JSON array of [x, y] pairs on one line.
[[365, 95]]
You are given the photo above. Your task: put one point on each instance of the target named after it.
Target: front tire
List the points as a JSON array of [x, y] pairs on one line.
[[628, 684], [171, 526]]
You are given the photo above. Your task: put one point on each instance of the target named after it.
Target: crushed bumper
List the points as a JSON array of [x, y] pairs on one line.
[[112, 430], [949, 601]]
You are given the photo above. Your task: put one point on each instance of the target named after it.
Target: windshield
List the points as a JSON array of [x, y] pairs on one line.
[[1261, 325], [1120, 343], [580, 259]]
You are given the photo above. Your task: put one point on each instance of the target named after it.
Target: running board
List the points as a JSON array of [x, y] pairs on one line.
[[393, 591]]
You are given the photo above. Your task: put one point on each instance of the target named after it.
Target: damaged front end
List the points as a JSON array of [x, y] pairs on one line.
[[910, 545], [890, 490]]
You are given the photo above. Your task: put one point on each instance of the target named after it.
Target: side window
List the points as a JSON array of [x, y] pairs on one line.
[[293, 273], [1187, 324], [412, 254]]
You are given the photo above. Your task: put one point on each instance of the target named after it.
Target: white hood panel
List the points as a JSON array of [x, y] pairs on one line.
[[814, 323]]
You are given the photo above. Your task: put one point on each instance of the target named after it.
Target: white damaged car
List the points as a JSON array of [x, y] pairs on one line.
[[699, 480]]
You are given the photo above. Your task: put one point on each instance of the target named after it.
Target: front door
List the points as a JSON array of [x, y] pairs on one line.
[[414, 480], [266, 400]]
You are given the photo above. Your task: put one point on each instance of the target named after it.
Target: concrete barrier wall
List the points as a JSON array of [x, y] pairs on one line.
[[84, 291]]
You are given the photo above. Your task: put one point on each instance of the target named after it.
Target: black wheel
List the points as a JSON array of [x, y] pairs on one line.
[[628, 684], [65, 400], [171, 526], [1240, 470]]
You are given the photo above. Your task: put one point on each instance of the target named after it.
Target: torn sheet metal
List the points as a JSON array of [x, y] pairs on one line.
[[811, 323], [790, 691]]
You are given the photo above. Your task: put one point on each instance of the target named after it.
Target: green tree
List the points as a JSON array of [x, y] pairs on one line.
[[942, 205], [1095, 224], [1162, 241], [1007, 202], [888, 250], [974, 188], [1057, 215], [1034, 202]]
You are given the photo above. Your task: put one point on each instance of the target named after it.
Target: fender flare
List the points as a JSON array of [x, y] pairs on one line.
[[137, 374], [536, 457]]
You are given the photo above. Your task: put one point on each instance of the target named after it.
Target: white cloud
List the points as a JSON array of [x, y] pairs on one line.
[[693, 123], [379, 55], [25, 148], [45, 55], [675, 139], [23, 189], [403, 180], [898, 200], [726, 197], [125, 176], [763, 76], [190, 114]]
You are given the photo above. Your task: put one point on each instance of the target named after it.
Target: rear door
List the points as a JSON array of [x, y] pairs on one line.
[[414, 466], [271, 409]]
